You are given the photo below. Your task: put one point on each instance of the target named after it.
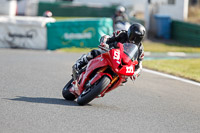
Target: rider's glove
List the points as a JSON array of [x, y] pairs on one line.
[[134, 77], [103, 41], [104, 45]]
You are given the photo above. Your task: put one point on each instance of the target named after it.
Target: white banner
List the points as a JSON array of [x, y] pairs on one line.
[[23, 32]]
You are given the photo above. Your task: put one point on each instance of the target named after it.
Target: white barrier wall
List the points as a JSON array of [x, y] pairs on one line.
[[23, 32]]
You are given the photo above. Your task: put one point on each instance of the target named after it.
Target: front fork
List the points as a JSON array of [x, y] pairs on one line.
[[74, 73], [113, 80]]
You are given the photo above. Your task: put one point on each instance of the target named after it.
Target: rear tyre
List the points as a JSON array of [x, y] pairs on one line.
[[92, 92], [66, 93]]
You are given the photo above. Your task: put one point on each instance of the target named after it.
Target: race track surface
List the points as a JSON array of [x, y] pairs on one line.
[[31, 83]]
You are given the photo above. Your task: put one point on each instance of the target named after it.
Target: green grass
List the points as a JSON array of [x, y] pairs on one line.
[[187, 68], [148, 46], [151, 46], [64, 18], [67, 18]]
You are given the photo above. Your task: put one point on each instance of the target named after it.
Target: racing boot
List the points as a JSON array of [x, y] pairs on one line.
[[80, 63]]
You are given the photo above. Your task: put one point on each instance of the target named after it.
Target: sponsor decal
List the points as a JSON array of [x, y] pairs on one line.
[[129, 69], [118, 62], [16, 39], [28, 34], [87, 33], [77, 36], [17, 35]]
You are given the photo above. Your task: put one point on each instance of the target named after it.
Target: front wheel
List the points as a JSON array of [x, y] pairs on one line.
[[66, 93], [92, 92]]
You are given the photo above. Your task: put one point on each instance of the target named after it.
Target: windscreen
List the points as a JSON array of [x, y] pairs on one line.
[[131, 50]]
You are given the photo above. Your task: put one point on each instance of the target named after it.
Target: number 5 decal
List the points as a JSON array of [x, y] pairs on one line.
[[116, 55]]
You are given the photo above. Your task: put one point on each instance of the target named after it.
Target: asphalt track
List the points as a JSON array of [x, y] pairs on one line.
[[31, 102]]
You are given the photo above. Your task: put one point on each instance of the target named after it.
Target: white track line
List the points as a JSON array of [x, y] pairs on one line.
[[172, 77], [176, 54]]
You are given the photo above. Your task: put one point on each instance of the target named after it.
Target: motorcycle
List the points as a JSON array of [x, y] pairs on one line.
[[103, 74]]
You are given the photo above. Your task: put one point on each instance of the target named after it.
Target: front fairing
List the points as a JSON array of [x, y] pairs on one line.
[[93, 64], [115, 58], [131, 50], [124, 59]]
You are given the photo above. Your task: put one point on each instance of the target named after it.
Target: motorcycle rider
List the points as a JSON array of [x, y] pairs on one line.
[[120, 16], [135, 34], [47, 14]]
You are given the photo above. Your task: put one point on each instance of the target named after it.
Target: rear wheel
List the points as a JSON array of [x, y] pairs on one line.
[[92, 92], [66, 93]]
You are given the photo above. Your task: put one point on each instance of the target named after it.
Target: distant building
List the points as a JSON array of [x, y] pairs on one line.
[[8, 7], [176, 9]]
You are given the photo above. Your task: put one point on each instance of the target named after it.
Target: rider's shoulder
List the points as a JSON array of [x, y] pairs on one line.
[[141, 47]]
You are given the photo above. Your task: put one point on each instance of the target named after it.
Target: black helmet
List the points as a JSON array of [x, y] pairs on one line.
[[136, 33]]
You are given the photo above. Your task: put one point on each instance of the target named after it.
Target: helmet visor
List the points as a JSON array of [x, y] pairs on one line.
[[135, 40]]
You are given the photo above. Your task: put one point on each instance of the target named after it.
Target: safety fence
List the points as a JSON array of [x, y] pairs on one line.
[[45, 33], [185, 33], [75, 10]]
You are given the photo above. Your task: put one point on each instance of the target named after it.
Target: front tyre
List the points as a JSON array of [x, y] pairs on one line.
[[92, 92], [66, 93]]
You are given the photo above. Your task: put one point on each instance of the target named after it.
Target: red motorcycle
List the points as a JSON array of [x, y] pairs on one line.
[[103, 74]]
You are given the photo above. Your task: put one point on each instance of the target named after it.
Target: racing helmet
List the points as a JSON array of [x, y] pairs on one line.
[[47, 14], [136, 33], [120, 9]]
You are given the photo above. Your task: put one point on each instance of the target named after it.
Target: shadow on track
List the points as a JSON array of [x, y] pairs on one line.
[[44, 100]]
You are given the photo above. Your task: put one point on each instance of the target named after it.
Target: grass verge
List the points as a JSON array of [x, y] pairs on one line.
[[186, 68], [151, 46], [68, 18], [64, 18]]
